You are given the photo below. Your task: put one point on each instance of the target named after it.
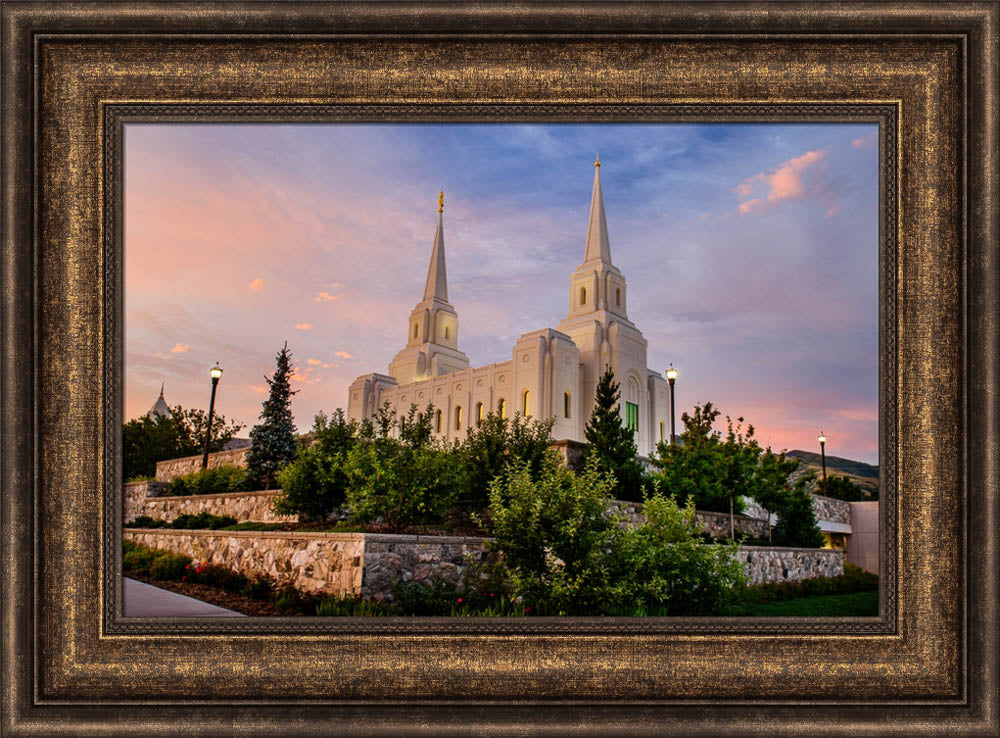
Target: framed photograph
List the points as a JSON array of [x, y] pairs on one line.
[[795, 205]]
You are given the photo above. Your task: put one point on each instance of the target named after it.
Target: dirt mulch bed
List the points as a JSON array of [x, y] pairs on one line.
[[222, 598]]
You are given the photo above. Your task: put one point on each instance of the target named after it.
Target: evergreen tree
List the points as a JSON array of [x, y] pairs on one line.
[[612, 443], [273, 443], [797, 520]]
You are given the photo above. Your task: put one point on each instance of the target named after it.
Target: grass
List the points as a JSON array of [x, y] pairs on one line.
[[858, 604]]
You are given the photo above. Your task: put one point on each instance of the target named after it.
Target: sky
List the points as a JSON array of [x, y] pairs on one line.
[[750, 253]]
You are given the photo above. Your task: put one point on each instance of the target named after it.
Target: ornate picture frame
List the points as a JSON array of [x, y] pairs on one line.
[[74, 75]]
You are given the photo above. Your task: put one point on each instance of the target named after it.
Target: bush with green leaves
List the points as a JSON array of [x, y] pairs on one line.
[[560, 551], [841, 488], [315, 483], [202, 521], [797, 525], [169, 566], [493, 443], [211, 481]]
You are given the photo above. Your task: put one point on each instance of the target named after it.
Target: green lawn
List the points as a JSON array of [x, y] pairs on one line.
[[858, 604]]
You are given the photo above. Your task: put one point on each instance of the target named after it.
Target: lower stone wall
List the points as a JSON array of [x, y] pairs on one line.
[[790, 564], [370, 564]]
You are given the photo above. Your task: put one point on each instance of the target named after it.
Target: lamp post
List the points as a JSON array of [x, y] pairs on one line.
[[672, 377], [822, 452], [216, 374]]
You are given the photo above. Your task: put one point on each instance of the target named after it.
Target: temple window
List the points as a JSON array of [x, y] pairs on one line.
[[565, 404]]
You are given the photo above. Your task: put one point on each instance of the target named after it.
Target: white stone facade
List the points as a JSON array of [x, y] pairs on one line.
[[552, 373]]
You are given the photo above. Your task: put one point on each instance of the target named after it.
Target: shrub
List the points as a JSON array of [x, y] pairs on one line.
[[351, 606], [144, 521], [202, 521], [138, 559], [169, 566], [797, 520], [495, 442], [147, 440], [315, 483], [669, 571], [252, 525], [212, 481], [841, 488]]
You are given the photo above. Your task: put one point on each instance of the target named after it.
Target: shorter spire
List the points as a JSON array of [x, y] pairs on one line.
[[441, 201], [597, 161], [161, 388]]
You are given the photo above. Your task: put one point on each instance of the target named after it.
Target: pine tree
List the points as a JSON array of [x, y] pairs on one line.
[[612, 442], [273, 443]]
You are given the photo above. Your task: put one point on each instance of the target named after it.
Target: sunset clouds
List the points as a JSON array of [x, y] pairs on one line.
[[760, 286]]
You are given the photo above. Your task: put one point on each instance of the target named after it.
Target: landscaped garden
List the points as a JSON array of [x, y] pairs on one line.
[[555, 543]]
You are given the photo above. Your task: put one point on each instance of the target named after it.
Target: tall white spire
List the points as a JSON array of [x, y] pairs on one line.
[[598, 245], [437, 277]]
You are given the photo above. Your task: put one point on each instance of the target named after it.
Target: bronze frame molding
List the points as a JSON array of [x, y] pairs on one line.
[[74, 72]]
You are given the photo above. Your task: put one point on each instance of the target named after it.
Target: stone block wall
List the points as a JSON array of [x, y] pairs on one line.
[[790, 564], [828, 508], [313, 562], [135, 494], [713, 523], [368, 564], [243, 506], [167, 470]]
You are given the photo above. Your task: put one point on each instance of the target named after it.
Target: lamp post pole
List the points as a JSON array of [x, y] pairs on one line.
[[822, 453], [671, 378], [216, 373]]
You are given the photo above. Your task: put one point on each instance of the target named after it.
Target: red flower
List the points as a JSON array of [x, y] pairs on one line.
[[459, 599], [184, 577]]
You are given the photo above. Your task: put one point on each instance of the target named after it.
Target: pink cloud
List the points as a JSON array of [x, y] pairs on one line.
[[864, 142], [304, 326], [256, 284], [863, 414], [325, 297], [833, 211], [180, 348], [314, 362], [783, 183], [343, 354], [258, 388]]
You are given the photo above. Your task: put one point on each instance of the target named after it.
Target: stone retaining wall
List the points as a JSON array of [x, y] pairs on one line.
[[134, 497], [828, 508], [713, 523], [167, 470], [790, 564], [243, 506], [368, 564]]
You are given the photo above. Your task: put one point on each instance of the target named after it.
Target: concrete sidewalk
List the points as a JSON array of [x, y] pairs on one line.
[[143, 600]]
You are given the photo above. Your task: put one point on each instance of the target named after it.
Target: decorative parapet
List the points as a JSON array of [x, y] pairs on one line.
[[832, 510]]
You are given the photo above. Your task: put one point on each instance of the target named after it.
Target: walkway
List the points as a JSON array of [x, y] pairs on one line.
[[143, 600]]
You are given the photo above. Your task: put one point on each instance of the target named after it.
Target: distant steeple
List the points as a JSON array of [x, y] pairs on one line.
[[598, 245], [437, 278], [160, 407]]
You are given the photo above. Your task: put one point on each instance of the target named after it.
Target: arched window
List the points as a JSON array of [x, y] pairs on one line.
[[502, 408], [618, 296], [479, 413], [458, 418], [437, 421], [416, 326], [583, 295], [525, 403], [446, 332], [565, 404], [661, 430]]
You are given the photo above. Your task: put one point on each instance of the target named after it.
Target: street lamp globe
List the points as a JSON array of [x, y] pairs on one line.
[[215, 372], [821, 438], [671, 373]]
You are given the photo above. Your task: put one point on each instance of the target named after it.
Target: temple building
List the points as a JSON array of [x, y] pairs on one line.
[[552, 372]]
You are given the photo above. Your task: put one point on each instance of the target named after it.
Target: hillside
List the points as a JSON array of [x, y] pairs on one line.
[[862, 474]]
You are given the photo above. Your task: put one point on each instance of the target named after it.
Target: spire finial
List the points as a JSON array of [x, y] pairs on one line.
[[161, 388], [441, 201], [597, 161]]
